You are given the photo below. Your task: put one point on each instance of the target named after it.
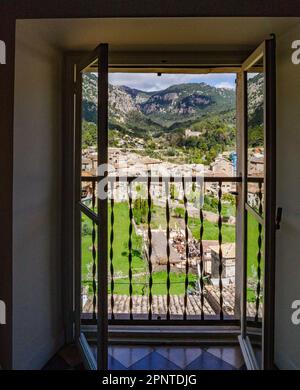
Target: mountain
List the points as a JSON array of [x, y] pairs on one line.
[[122, 100], [159, 109], [256, 110], [256, 100], [183, 102], [155, 123], [168, 108]]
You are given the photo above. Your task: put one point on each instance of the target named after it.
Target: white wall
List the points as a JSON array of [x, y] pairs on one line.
[[37, 308], [287, 335]]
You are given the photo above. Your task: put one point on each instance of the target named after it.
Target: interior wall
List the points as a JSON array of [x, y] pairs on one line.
[[37, 315], [287, 335], [37, 307]]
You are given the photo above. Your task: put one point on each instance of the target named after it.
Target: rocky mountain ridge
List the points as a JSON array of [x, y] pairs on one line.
[[177, 103]]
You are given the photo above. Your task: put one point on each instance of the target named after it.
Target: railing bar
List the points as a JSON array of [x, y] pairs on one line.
[[94, 268], [88, 212], [201, 264], [142, 283], [177, 322], [149, 247], [173, 179], [255, 214], [178, 179], [130, 250], [186, 284], [259, 255], [220, 249], [255, 180], [258, 286], [168, 249], [111, 254]]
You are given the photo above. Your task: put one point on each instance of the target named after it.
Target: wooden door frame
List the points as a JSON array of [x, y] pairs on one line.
[[71, 58], [99, 55], [71, 273], [7, 74], [266, 51], [270, 199]]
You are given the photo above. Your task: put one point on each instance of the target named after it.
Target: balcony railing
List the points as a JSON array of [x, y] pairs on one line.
[[171, 257]]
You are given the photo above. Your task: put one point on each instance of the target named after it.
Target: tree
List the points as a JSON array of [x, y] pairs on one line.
[[140, 210], [89, 134], [179, 212], [173, 192]]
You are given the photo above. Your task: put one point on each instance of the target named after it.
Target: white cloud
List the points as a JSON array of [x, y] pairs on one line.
[[225, 84], [152, 82]]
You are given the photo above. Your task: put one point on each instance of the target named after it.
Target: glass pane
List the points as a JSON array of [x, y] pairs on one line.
[[255, 278], [255, 149], [89, 138], [89, 193], [89, 163], [88, 266], [173, 132], [255, 199]]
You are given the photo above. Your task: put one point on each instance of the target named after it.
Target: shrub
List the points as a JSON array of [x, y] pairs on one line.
[[86, 229], [178, 212]]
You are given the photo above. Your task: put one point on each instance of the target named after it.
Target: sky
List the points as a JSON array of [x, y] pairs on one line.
[[152, 82]]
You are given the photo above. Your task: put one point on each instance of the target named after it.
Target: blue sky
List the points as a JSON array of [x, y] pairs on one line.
[[152, 82]]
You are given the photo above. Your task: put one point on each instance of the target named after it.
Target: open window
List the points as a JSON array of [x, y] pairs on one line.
[[94, 215], [258, 85]]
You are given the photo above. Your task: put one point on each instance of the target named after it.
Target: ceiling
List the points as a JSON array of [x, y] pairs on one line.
[[206, 42], [154, 34]]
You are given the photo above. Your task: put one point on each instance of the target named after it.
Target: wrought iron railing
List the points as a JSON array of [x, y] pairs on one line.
[[211, 298]]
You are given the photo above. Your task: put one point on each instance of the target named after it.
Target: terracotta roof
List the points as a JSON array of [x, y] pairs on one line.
[[86, 173]]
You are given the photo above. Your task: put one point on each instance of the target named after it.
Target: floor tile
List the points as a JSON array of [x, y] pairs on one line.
[[154, 361], [114, 364], [57, 363], [127, 356], [206, 361], [230, 354], [181, 356], [123, 357], [71, 355]]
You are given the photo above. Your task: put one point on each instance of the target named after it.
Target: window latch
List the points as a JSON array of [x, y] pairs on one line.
[[278, 218]]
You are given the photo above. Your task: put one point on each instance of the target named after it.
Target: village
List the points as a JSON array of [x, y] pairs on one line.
[[125, 163]]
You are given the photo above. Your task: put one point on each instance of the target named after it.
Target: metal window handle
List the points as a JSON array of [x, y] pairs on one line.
[[278, 218]]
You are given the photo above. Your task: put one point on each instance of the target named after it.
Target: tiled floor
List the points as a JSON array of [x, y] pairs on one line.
[[68, 358], [157, 358], [175, 358]]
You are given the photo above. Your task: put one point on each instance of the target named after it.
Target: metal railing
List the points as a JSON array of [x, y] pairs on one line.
[[204, 293]]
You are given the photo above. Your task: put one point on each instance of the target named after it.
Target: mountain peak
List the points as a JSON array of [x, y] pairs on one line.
[[177, 103]]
